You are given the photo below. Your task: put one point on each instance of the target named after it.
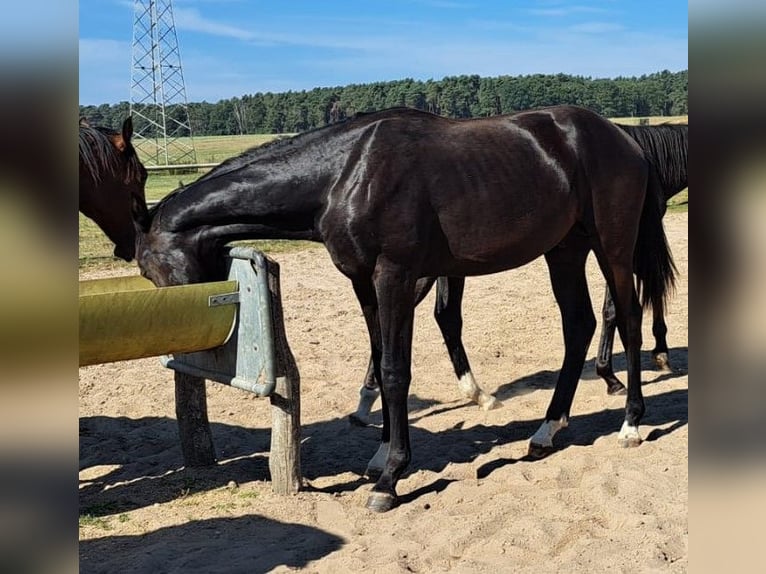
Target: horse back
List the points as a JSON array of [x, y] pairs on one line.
[[476, 196]]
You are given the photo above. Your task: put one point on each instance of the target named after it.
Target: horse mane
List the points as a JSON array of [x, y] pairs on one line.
[[97, 152], [277, 145], [100, 157], [667, 146]]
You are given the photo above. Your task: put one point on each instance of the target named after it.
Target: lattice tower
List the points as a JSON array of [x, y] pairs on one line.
[[162, 130]]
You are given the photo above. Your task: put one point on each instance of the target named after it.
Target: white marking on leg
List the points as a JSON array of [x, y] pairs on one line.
[[472, 391], [546, 432], [629, 435], [367, 398], [469, 388], [378, 462]]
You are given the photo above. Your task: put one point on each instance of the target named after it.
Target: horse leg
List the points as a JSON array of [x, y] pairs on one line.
[[448, 314], [368, 394], [628, 311], [370, 389], [604, 367], [566, 265], [395, 290], [660, 331], [365, 294]]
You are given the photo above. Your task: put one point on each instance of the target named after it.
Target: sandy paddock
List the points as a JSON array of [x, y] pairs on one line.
[[471, 502]]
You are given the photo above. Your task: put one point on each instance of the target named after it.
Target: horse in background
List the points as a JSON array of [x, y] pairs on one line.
[[401, 194], [667, 148], [111, 177]]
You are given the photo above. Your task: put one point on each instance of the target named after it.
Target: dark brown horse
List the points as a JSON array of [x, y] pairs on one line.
[[111, 176], [402, 194], [667, 146]]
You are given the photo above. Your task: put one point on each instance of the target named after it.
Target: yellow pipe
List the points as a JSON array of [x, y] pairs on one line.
[[129, 318], [112, 284]]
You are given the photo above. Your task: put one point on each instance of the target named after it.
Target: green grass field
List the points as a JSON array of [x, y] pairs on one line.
[[215, 149], [96, 249]]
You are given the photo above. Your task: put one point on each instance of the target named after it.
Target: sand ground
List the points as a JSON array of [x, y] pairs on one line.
[[471, 501]]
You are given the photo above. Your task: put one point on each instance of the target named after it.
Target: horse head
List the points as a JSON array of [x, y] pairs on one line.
[[111, 177], [171, 257]]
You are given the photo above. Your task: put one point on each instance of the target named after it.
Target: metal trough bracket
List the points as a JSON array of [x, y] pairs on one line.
[[223, 299], [247, 360]]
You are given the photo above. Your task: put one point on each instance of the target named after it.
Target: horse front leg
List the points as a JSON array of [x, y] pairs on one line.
[[370, 390], [449, 317], [395, 290], [365, 293], [604, 367]]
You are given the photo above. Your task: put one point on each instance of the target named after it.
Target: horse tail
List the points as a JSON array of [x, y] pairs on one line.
[[652, 260]]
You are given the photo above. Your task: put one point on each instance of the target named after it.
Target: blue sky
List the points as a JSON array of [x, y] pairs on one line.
[[235, 47]]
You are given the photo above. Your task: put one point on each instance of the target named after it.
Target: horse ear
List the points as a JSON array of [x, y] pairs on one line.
[[140, 214], [127, 129]]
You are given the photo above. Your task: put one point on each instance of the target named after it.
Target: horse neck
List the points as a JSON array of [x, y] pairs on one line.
[[277, 191], [667, 147], [675, 180], [276, 197]]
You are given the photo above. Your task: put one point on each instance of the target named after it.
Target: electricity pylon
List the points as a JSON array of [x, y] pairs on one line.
[[162, 130]]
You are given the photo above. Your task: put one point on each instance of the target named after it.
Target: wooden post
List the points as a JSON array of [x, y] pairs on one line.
[[193, 424], [285, 456]]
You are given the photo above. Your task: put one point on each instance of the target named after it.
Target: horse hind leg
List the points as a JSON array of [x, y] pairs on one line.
[[604, 367], [448, 314], [566, 265], [368, 394], [628, 314], [660, 354]]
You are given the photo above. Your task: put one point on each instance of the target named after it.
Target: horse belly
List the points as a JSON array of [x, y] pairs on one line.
[[488, 243]]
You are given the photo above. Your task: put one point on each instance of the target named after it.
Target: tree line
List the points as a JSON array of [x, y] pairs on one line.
[[661, 94]]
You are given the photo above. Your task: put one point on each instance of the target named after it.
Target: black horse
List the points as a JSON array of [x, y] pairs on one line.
[[111, 176], [667, 146], [401, 194]]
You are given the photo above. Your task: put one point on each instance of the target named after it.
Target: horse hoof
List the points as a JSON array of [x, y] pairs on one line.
[[381, 501], [489, 402], [539, 451], [373, 473], [630, 442], [357, 421], [614, 389], [662, 362]]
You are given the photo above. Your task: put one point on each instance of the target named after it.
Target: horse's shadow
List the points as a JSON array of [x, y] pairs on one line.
[[147, 454], [679, 357], [244, 544]]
